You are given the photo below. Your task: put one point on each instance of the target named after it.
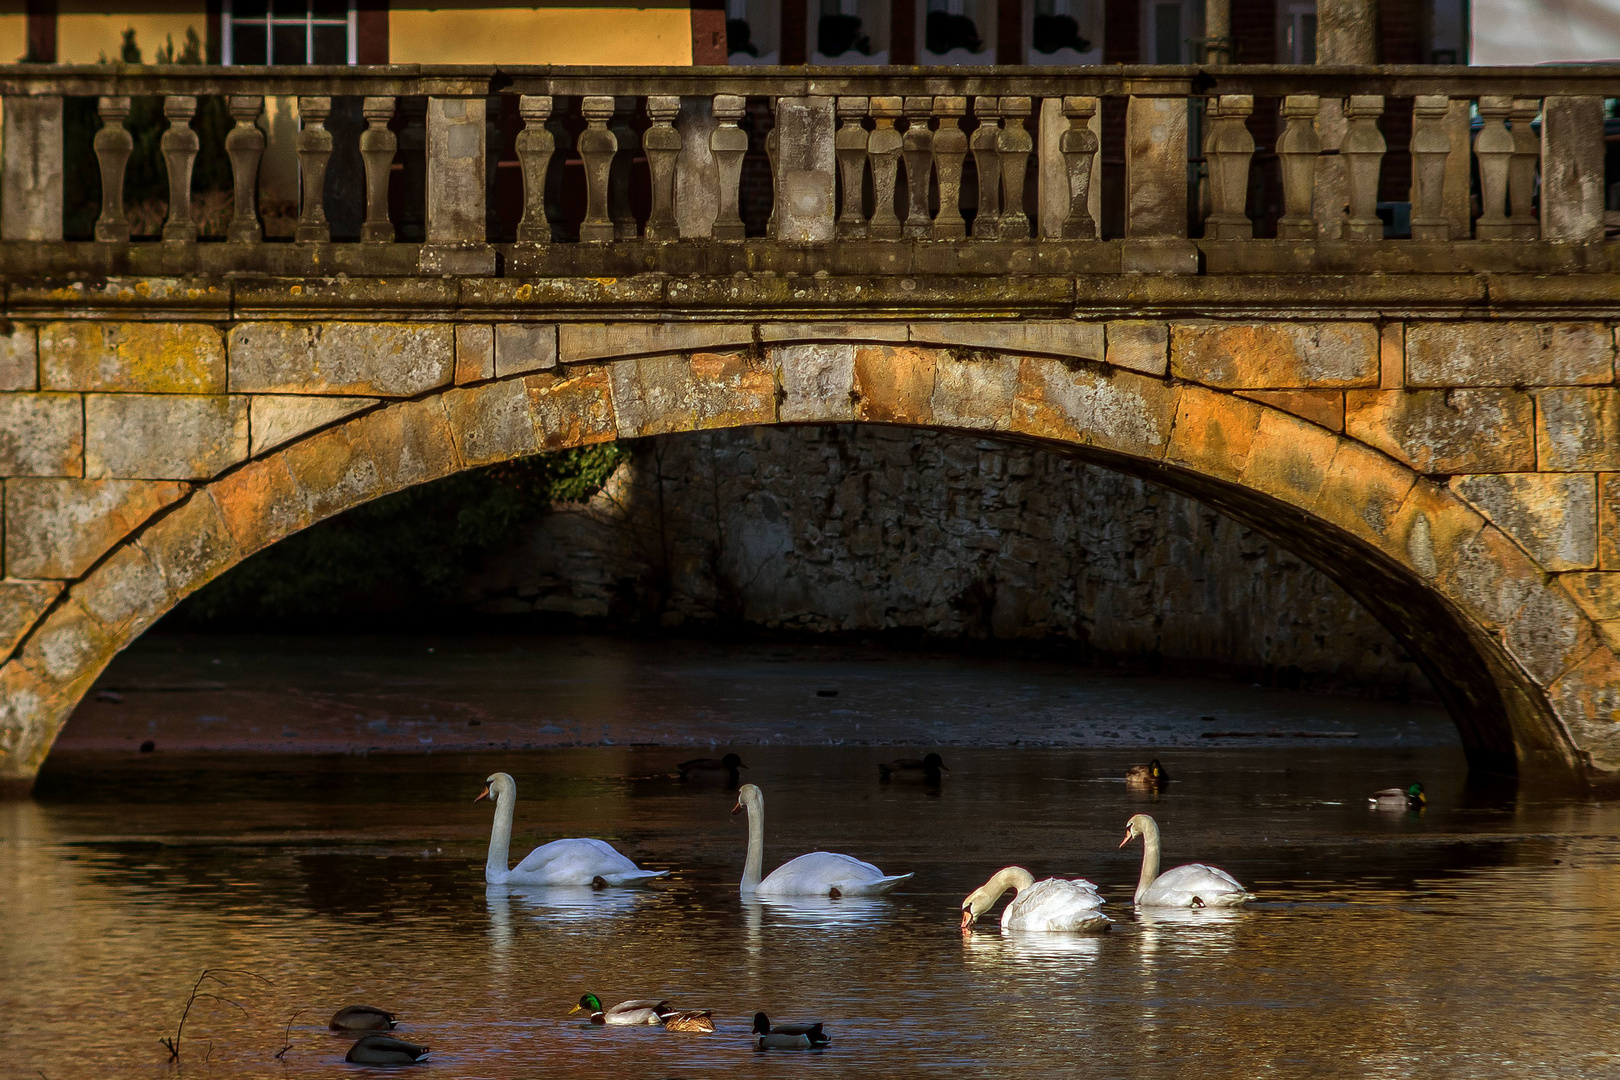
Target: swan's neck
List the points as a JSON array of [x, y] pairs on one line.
[[500, 839], [1150, 859], [985, 896], [756, 845]]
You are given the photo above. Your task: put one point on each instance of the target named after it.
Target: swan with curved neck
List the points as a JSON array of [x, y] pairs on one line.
[[561, 862], [1053, 905], [1192, 885], [820, 873]]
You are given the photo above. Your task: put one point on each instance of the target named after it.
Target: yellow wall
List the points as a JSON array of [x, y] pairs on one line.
[[13, 30], [86, 33], [547, 35]]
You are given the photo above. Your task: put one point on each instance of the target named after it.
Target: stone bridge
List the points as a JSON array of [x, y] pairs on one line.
[[1433, 422]]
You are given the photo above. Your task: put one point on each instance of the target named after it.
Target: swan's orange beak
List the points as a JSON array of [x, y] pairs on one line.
[[482, 795], [1125, 841], [738, 808], [967, 918]]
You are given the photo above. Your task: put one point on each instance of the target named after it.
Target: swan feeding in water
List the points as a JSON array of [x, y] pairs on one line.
[[1055, 904], [1193, 885], [820, 873], [1395, 799], [561, 862], [789, 1036]]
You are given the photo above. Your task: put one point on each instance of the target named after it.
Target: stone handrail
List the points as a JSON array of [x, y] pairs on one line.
[[855, 154]]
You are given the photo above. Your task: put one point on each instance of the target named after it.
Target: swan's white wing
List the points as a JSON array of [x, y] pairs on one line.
[[577, 862], [1056, 905], [819, 872], [1193, 884]]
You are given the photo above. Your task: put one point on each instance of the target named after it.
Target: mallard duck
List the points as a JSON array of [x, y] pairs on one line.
[[728, 765], [789, 1036], [690, 1021], [362, 1018], [1394, 798], [1191, 886], [926, 768], [1056, 904], [820, 873], [641, 1012], [1150, 775], [561, 862], [385, 1050]]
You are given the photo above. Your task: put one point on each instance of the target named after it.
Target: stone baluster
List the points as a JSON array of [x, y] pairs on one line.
[[627, 143], [1493, 148], [413, 157], [1079, 146], [377, 147], [773, 146], [917, 149], [1299, 149], [244, 145], [1013, 147], [31, 168], [985, 143], [314, 151], [113, 145], [850, 146], [1363, 149], [950, 144], [728, 144], [535, 146], [179, 144], [1431, 147], [1230, 151], [883, 151], [597, 145], [1522, 171], [663, 145]]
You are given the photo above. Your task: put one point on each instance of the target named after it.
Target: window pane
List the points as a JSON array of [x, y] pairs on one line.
[[290, 9], [247, 44], [291, 45], [1307, 39], [249, 9], [1167, 34], [330, 9], [331, 45]]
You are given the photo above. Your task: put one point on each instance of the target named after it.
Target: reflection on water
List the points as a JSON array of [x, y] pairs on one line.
[[1474, 939]]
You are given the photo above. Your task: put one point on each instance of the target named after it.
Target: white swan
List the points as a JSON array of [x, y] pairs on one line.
[[820, 873], [1193, 885], [1055, 904], [561, 862]]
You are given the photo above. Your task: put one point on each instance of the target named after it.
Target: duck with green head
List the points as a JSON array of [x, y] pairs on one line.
[[644, 1012], [1396, 799]]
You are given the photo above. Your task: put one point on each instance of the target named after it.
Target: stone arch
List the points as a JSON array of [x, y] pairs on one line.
[[1519, 664]]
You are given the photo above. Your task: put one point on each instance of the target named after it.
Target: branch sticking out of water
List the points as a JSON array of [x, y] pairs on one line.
[[286, 1037], [172, 1043]]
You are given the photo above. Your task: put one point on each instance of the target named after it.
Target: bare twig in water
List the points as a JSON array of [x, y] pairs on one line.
[[286, 1036], [172, 1044]]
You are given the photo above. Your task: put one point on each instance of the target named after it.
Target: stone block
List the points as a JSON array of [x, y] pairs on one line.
[[1156, 167], [1363, 492], [1392, 356], [655, 395], [59, 528], [21, 605], [491, 422], [1587, 699], [126, 594], [1552, 516], [805, 170], [1213, 433], [1050, 337], [68, 644], [1446, 431], [1275, 355], [834, 331], [133, 357], [1609, 521], [1578, 429], [333, 472], [524, 347], [572, 411], [1289, 458], [275, 419], [410, 443], [261, 503], [380, 359], [1431, 529], [41, 435], [975, 391], [1112, 410], [1324, 407], [1572, 169], [455, 185], [163, 436], [1549, 634], [1597, 593], [1492, 579], [475, 353], [895, 385], [1446, 354], [596, 341], [818, 382], [19, 358], [31, 168], [1139, 345]]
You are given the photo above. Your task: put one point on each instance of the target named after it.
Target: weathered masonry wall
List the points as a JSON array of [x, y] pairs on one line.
[[856, 529]]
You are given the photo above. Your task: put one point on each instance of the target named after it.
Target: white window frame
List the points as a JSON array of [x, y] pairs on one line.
[[270, 21]]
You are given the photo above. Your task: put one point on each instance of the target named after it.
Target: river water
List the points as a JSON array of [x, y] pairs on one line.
[[1473, 939]]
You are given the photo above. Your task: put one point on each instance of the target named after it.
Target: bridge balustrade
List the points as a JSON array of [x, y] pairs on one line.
[[1055, 160]]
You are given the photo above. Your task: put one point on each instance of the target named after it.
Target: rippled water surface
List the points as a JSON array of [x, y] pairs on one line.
[[1474, 939]]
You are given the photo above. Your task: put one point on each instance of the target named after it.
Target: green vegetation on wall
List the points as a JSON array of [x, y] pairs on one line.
[[406, 551]]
